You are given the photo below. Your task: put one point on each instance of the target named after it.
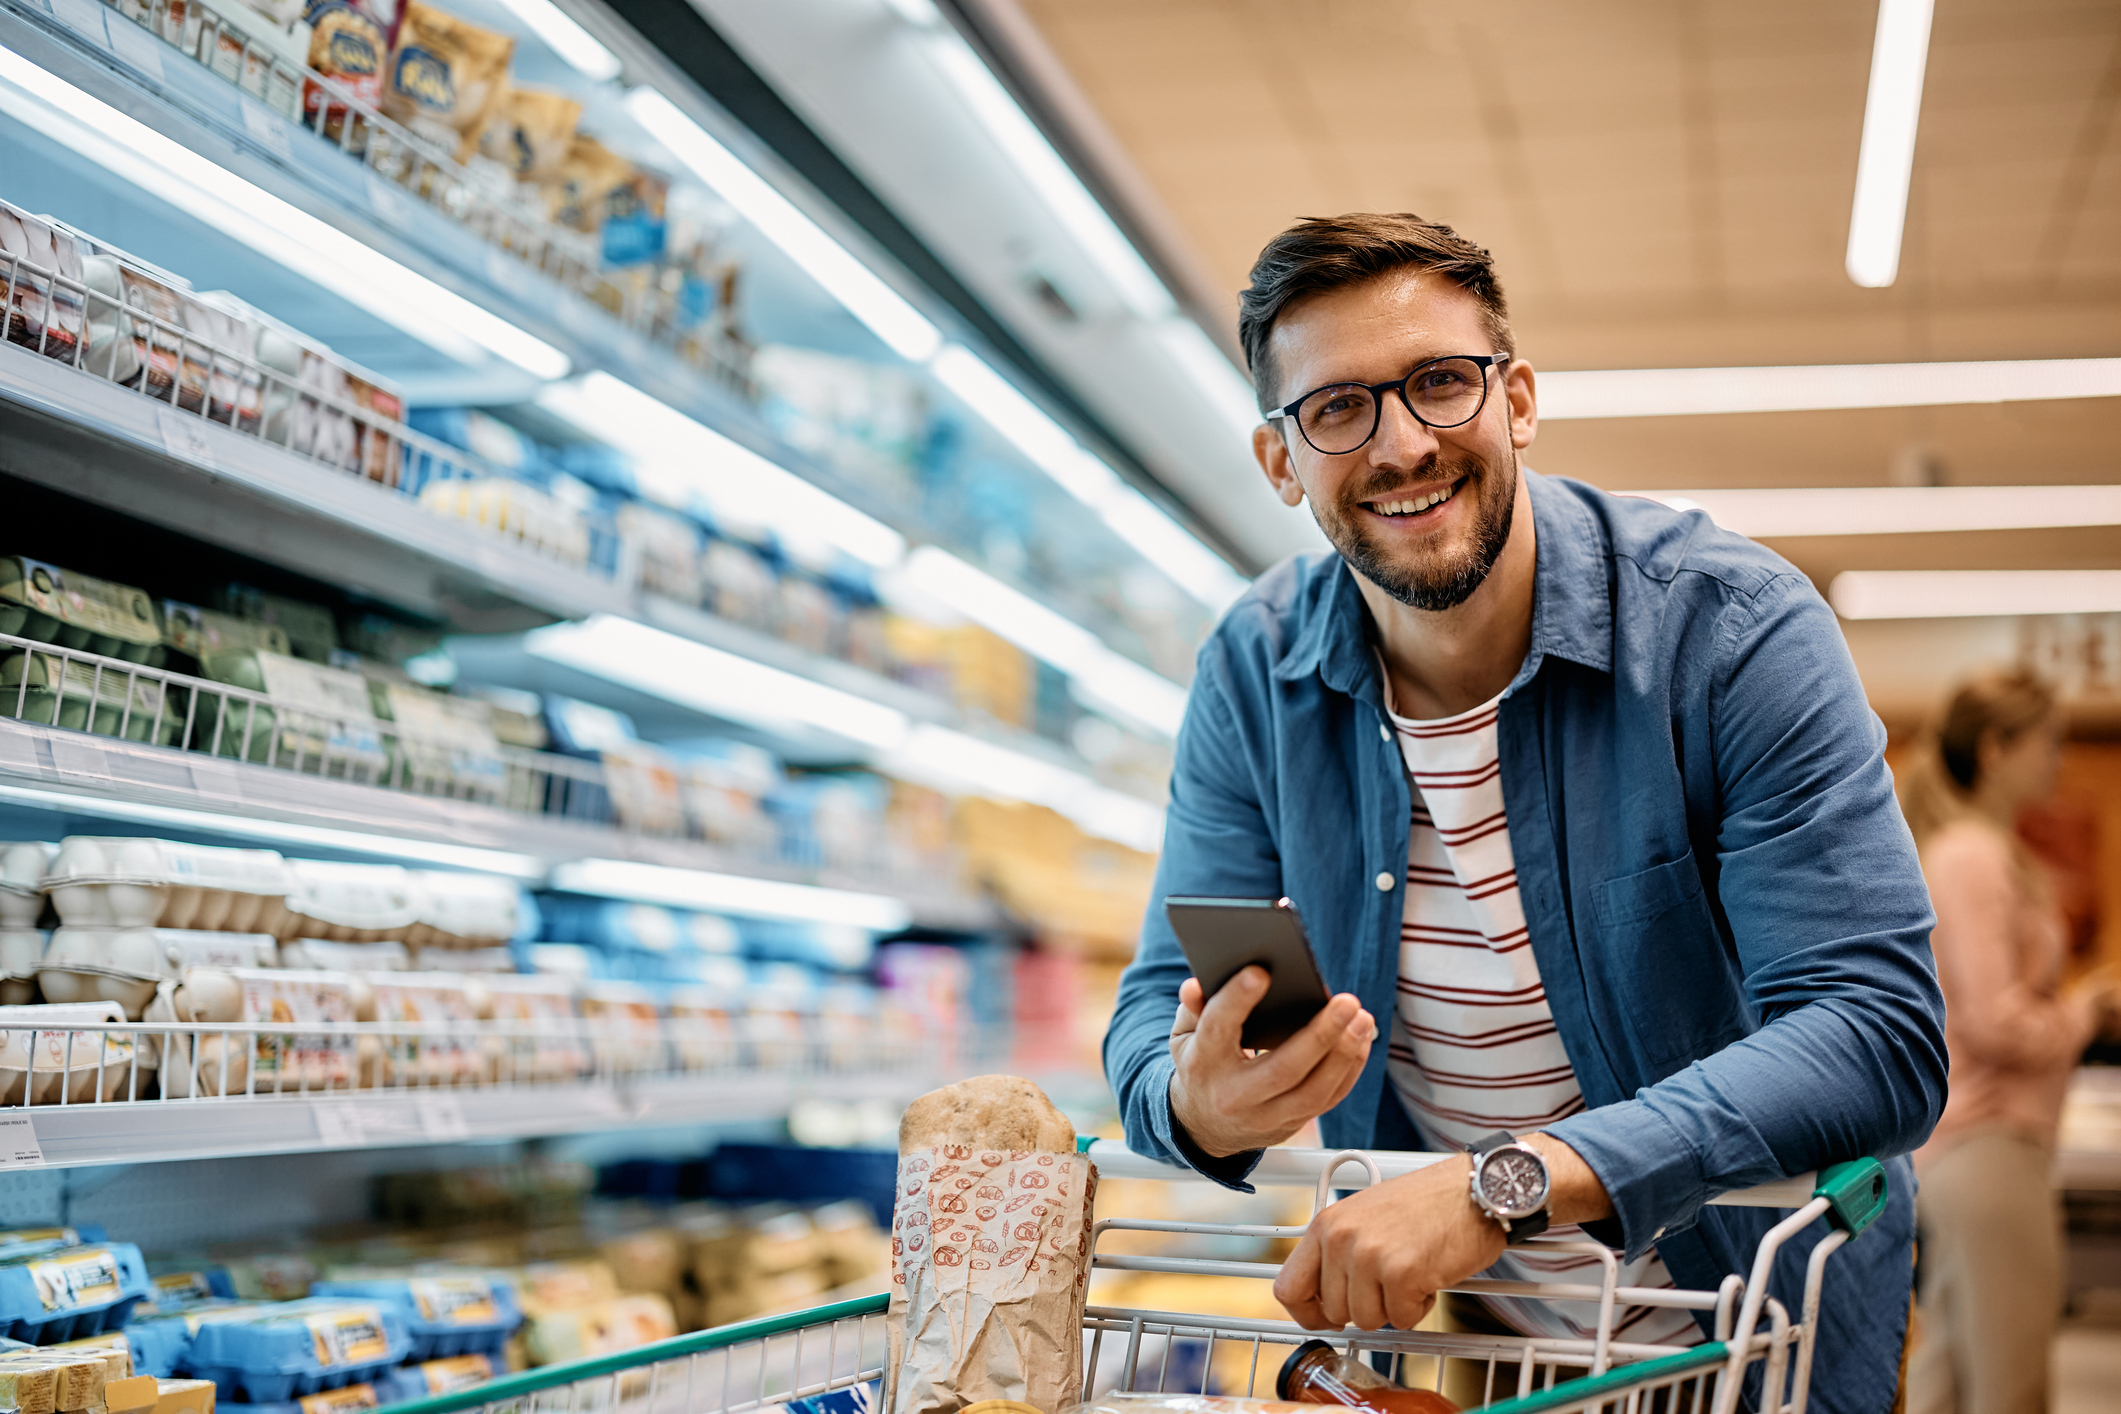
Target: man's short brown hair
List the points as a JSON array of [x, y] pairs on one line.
[[1322, 253]]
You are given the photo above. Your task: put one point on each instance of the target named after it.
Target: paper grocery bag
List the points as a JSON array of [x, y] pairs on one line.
[[990, 1262]]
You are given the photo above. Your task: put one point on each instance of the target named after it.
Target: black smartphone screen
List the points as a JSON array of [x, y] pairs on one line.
[[1222, 936]]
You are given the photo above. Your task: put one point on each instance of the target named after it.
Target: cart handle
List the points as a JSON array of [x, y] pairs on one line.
[[1855, 1191]]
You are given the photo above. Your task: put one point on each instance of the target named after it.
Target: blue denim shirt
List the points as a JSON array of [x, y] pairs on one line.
[[1723, 899]]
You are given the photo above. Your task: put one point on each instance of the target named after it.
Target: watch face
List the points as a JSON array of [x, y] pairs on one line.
[[1514, 1182]]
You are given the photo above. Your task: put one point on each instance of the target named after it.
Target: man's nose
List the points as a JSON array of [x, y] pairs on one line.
[[1402, 440]]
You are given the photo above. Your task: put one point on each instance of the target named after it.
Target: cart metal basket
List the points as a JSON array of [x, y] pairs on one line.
[[775, 1361]]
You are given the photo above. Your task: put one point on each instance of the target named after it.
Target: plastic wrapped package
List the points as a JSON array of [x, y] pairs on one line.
[[320, 719], [71, 1292], [445, 77], [426, 1000], [739, 582], [666, 547], [441, 739], [350, 44], [622, 1323], [352, 903], [44, 313], [318, 954], [724, 785], [515, 510], [543, 1007], [465, 910], [707, 1018], [296, 1059], [626, 1024], [88, 1066], [834, 820], [133, 882], [780, 1006], [643, 781]]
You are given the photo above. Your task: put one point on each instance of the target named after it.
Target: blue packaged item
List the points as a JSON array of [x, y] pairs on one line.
[[855, 1399], [68, 1293], [433, 1377], [297, 1348], [161, 1342], [453, 1314], [23, 1241]]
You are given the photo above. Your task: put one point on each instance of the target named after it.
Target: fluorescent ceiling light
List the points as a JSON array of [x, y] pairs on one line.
[[678, 458], [284, 234], [729, 893], [565, 38], [1087, 223], [1764, 513], [958, 764], [1678, 392], [1109, 680], [1953, 594], [712, 681], [260, 829], [1130, 515], [887, 314], [1886, 162]]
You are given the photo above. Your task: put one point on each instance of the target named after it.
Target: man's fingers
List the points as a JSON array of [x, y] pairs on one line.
[[1336, 1072], [1296, 1287], [1288, 1063], [1222, 1020], [1405, 1306], [1187, 1017], [1366, 1300]]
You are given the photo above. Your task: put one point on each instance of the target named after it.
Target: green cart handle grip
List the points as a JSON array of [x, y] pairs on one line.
[[1855, 1193]]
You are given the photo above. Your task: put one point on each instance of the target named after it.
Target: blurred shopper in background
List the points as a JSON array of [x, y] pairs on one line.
[[1990, 1229]]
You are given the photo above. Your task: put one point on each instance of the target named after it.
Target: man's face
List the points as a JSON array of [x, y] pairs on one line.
[[1374, 503]]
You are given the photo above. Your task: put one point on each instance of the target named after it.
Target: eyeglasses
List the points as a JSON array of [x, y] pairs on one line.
[[1442, 393]]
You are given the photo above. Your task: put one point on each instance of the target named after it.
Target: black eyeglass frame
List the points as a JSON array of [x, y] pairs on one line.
[[1377, 391]]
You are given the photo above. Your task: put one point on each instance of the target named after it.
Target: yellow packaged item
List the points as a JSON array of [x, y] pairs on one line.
[[445, 74], [530, 132]]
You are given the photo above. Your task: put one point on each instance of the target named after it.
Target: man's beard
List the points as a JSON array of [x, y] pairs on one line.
[[1444, 581]]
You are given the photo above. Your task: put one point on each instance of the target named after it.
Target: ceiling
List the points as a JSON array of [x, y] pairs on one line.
[[1666, 183]]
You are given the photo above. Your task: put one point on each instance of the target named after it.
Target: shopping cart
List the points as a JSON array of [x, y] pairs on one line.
[[778, 1360]]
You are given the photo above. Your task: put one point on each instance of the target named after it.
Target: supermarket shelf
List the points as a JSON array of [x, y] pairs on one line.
[[163, 1131], [190, 791], [84, 436]]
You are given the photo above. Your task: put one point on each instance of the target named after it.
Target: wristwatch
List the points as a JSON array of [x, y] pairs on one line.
[[1511, 1184]]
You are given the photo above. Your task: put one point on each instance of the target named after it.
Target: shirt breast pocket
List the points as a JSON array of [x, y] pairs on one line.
[[1664, 960]]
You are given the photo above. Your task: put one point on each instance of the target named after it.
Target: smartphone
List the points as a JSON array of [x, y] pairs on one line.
[[1222, 936]]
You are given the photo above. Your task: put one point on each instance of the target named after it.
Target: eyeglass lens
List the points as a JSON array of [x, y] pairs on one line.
[[1443, 394]]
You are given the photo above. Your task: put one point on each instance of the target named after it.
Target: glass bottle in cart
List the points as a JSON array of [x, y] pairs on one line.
[[1318, 1374]]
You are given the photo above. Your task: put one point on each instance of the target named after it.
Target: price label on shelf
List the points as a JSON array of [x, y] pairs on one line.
[[136, 46], [338, 1125], [19, 1148], [267, 129], [442, 1118], [184, 437], [83, 17], [78, 759]]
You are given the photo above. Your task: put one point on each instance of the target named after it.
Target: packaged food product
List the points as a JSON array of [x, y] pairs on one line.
[[643, 782], [283, 1352], [84, 696], [724, 787], [537, 1021], [446, 1313], [442, 741], [311, 631], [530, 131], [348, 45], [42, 313], [319, 720], [89, 1065], [459, 910], [1146, 1402], [577, 194], [21, 949], [118, 965], [515, 510], [69, 1293], [427, 1001], [110, 353], [23, 865], [433, 1377], [1316, 1373], [197, 632], [667, 548], [625, 1022], [184, 1396], [127, 1394], [326, 956], [352, 903], [316, 1059], [141, 883], [990, 1235], [264, 58], [77, 611], [622, 1323], [445, 74], [634, 229], [740, 582], [76, 1380]]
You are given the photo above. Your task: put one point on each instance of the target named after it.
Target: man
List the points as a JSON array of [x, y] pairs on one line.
[[1583, 807]]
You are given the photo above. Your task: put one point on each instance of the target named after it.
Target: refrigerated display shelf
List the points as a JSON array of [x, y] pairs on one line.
[[92, 439], [210, 1128], [80, 774]]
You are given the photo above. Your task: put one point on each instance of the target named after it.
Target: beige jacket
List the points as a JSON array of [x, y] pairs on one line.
[[2013, 1036]]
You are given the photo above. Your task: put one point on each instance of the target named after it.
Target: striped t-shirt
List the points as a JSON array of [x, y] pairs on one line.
[[1474, 1048]]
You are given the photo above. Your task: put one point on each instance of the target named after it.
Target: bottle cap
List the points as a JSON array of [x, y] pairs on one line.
[[1296, 1357]]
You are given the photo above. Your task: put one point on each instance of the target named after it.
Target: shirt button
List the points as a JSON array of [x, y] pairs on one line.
[[1384, 883], [1384, 733]]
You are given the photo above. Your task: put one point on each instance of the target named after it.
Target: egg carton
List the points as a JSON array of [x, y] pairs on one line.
[[465, 910], [88, 1066], [21, 949], [142, 883], [299, 1348], [351, 903], [71, 1293], [324, 955], [124, 965], [454, 1314], [23, 865]]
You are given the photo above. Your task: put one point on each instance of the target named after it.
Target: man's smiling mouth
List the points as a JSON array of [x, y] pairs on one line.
[[1416, 505]]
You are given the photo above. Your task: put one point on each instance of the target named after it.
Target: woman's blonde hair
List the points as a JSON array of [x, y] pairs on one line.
[[1945, 762]]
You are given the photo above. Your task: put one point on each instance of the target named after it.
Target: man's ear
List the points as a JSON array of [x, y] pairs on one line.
[[1274, 460], [1521, 385]]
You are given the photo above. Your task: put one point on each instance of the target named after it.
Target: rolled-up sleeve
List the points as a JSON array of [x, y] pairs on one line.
[[1818, 878], [1216, 843]]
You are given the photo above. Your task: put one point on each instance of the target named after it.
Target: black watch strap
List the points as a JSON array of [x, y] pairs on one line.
[[1520, 1229]]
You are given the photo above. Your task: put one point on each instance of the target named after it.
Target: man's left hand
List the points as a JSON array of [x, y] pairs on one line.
[[1379, 1256]]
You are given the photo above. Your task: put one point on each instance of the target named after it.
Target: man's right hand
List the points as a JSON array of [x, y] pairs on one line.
[[1230, 1100]]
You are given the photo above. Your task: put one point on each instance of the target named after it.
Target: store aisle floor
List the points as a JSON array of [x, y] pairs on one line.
[[2087, 1369]]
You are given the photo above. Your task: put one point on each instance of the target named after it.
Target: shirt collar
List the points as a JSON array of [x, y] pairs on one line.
[[1572, 604]]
